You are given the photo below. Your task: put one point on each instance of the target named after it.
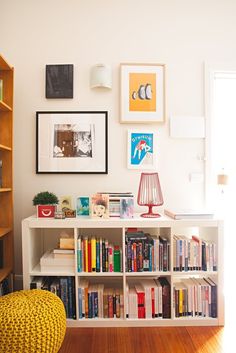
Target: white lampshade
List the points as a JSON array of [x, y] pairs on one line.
[[101, 76]]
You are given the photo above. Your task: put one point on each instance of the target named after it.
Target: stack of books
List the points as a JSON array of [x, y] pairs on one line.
[[57, 260], [121, 204]]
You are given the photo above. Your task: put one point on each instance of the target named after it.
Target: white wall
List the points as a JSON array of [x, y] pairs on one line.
[[180, 33]]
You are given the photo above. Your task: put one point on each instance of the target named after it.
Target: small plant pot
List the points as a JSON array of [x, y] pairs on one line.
[[46, 211]]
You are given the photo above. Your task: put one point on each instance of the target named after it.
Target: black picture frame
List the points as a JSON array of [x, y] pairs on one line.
[[71, 142], [59, 81]]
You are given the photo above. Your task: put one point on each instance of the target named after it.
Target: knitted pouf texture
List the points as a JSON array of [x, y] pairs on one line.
[[31, 321]]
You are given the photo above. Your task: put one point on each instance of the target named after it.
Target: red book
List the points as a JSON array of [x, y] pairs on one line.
[[141, 301]]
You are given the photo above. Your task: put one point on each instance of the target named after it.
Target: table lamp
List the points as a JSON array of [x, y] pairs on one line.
[[149, 193]]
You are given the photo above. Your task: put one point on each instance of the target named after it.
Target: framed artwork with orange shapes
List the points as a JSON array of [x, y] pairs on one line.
[[142, 93]]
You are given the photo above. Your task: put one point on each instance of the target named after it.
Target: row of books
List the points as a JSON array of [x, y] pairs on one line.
[[98, 255], [4, 287], [63, 287], [149, 298], [146, 253], [196, 297], [194, 254], [97, 301]]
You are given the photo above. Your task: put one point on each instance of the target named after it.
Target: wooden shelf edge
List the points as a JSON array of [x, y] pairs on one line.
[[5, 107], [4, 272], [6, 148], [4, 64], [5, 189], [4, 231]]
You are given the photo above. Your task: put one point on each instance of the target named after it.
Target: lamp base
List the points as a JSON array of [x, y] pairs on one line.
[[150, 215]]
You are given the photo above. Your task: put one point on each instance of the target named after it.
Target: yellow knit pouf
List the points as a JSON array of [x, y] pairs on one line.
[[31, 321]]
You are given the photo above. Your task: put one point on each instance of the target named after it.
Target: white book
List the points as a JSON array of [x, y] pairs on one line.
[[188, 214], [48, 260]]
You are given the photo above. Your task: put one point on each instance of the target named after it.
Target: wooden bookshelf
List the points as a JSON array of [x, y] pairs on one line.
[[6, 157]]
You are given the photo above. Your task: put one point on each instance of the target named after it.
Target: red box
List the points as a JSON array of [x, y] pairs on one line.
[[46, 211]]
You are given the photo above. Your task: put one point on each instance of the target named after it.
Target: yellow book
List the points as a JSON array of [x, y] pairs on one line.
[[85, 254], [180, 302], [93, 252]]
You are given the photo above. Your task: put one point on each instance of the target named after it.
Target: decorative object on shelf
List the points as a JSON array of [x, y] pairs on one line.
[[34, 319], [59, 81], [100, 206], [142, 93], [65, 203], [149, 193], [142, 149], [46, 204], [66, 241], [82, 207], [70, 213], [127, 207], [59, 215], [72, 142], [101, 76], [1, 89]]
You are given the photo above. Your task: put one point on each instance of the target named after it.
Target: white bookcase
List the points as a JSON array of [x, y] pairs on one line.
[[40, 235]]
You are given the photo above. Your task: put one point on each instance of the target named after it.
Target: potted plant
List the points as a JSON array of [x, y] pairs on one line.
[[46, 204]]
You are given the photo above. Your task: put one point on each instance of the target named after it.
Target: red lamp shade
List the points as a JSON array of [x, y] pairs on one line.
[[149, 193]]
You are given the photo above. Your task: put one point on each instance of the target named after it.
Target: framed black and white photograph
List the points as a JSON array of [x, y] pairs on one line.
[[71, 142], [59, 81]]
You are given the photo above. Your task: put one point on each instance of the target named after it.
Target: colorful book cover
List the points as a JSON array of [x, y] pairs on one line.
[[100, 206], [82, 206], [126, 207], [65, 203]]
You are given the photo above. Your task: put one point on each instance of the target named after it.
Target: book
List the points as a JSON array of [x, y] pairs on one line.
[[0, 173], [126, 207], [188, 214], [1, 89], [100, 206], [48, 262]]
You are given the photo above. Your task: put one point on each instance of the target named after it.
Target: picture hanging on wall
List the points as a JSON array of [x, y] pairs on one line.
[[142, 149], [71, 142], [142, 93], [59, 81]]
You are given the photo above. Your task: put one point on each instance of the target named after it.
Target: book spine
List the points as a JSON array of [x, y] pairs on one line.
[[93, 254], [97, 255]]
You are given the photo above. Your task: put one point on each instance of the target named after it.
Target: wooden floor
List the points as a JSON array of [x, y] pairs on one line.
[[148, 340]]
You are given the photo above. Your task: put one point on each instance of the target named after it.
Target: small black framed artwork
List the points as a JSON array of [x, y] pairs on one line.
[[72, 142], [59, 81]]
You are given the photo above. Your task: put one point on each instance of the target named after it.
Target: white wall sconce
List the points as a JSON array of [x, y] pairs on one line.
[[101, 76]]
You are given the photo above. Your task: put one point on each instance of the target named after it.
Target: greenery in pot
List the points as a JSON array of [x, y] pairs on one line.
[[45, 198]]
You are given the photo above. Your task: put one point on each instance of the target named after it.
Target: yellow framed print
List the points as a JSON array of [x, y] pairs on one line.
[[142, 93]]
